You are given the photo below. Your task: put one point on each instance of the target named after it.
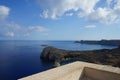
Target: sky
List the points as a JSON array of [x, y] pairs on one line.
[[59, 19]]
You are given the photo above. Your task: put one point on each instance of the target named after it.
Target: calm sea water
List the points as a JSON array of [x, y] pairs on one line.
[[22, 58]]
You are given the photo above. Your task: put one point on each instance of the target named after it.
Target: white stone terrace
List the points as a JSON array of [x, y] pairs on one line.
[[78, 71]]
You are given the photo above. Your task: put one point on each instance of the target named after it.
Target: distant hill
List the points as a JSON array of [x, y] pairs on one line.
[[101, 42]]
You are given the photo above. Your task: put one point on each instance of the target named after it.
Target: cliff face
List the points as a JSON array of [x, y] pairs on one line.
[[53, 54], [103, 56]]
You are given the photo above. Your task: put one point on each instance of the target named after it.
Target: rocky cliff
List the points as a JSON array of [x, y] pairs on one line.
[[103, 56]]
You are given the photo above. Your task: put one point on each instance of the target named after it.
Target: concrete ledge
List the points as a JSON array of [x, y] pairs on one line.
[[78, 71]]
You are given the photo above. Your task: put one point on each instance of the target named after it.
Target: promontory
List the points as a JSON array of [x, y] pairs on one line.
[[103, 56]]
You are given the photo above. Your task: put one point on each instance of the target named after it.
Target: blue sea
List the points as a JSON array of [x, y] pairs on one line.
[[22, 58]]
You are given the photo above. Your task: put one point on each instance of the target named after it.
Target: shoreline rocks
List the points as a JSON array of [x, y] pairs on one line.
[[103, 56]]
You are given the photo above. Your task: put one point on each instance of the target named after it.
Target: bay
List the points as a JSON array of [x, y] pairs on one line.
[[22, 58]]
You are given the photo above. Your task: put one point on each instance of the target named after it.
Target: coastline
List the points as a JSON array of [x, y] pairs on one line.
[[103, 56], [100, 42]]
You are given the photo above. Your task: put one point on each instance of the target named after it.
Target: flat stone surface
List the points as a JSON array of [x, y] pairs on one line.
[[75, 71]]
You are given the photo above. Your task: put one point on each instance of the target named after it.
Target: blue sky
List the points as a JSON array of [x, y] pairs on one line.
[[59, 19]]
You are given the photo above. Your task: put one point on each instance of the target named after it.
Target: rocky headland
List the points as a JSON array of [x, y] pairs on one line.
[[103, 56], [100, 42]]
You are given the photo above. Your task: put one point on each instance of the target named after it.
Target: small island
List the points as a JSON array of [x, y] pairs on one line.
[[103, 56]]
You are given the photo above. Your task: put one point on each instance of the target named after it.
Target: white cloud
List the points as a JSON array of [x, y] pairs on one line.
[[10, 34], [117, 7], [44, 14], [90, 26], [38, 28], [4, 11], [103, 15], [69, 14], [107, 14], [13, 25], [109, 2], [9, 28], [26, 34], [87, 9], [12, 29], [46, 34], [56, 8]]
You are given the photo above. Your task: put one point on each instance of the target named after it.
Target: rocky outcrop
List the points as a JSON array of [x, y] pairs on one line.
[[101, 42], [103, 56]]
